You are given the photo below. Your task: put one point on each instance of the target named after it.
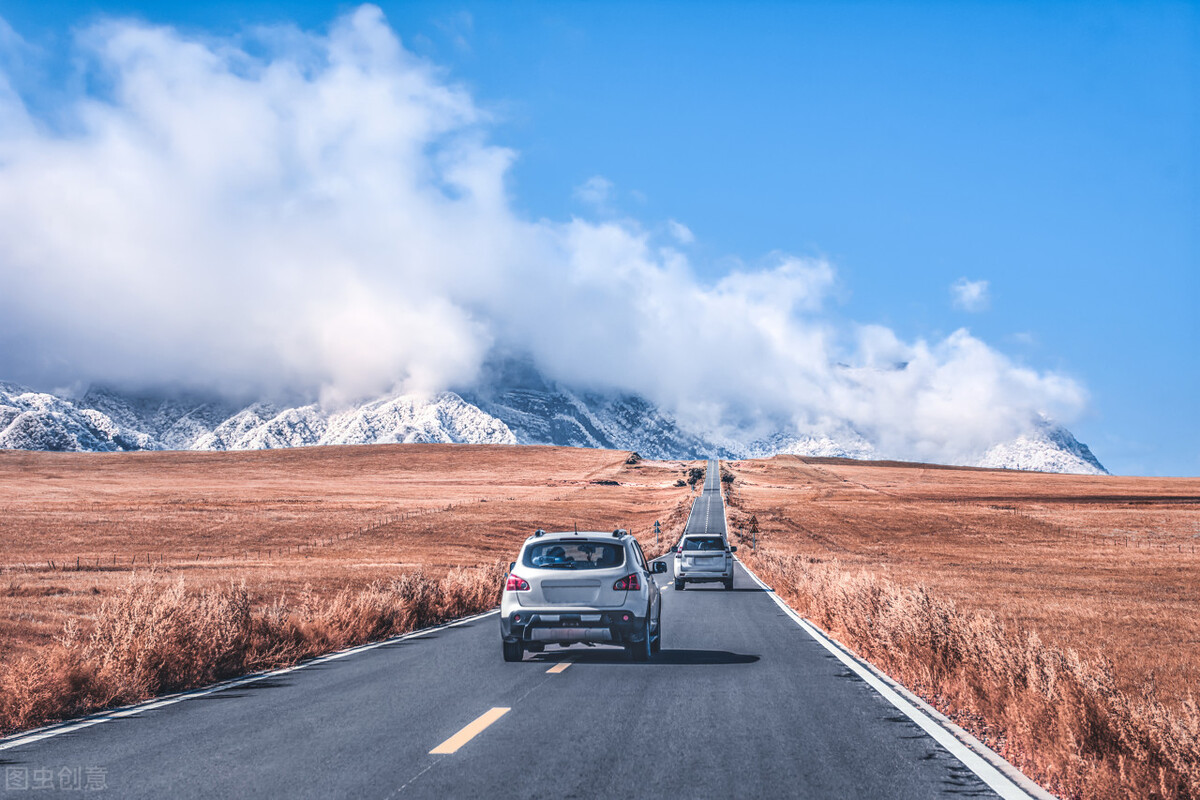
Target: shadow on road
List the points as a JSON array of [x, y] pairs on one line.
[[695, 658], [963, 781], [719, 589], [246, 689]]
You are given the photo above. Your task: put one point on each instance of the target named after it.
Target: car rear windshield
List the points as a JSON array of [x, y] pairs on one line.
[[574, 555], [704, 543]]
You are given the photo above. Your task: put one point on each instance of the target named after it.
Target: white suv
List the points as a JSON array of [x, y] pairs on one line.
[[703, 558], [586, 587]]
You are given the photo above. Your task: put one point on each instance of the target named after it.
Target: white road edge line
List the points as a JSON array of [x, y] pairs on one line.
[[1003, 778], [70, 726], [974, 754]]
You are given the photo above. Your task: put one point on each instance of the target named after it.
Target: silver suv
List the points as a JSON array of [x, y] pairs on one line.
[[703, 558], [586, 587]]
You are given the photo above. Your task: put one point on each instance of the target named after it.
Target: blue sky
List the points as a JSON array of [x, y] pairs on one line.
[[1051, 150]]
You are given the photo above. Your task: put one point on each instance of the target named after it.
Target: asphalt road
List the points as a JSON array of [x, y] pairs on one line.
[[708, 511], [741, 702]]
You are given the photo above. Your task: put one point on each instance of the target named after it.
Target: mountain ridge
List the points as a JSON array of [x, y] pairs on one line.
[[515, 409]]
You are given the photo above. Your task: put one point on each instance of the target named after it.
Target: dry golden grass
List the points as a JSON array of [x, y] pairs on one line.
[[1055, 616], [153, 636], [307, 548]]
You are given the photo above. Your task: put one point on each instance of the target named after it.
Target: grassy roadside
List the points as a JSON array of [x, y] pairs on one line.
[[1053, 616], [127, 575], [1058, 718], [155, 636]]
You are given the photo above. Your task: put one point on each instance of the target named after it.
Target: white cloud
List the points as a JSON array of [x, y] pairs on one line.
[[596, 192], [324, 214], [970, 295], [458, 27], [680, 232]]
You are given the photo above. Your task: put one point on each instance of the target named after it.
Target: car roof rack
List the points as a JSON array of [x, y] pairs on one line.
[[539, 532], [619, 532]]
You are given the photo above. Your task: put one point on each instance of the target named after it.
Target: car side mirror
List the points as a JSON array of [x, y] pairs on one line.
[[512, 565], [733, 549], [659, 567]]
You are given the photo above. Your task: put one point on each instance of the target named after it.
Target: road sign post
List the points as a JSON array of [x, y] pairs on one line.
[[656, 533], [754, 531]]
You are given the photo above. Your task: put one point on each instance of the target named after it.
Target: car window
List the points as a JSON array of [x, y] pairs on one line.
[[704, 543], [574, 555], [641, 556]]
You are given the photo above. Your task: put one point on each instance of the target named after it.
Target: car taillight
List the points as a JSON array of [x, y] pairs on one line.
[[629, 582], [516, 583]]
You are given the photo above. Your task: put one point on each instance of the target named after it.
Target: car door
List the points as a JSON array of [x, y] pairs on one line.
[[653, 587]]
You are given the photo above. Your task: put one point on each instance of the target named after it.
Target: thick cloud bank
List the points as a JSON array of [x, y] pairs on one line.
[[324, 214]]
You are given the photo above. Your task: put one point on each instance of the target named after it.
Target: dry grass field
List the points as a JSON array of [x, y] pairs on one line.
[[293, 529], [1057, 616], [1107, 565]]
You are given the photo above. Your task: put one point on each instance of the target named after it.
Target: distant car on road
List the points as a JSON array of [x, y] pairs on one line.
[[586, 587], [703, 558]]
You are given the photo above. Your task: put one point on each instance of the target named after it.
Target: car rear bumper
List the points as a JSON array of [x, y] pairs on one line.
[[567, 626], [703, 574]]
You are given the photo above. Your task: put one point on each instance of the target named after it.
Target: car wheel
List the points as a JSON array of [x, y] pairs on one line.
[[514, 651], [656, 645], [729, 584], [678, 585], [536, 648], [640, 651]]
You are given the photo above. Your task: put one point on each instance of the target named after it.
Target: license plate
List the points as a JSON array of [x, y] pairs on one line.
[[557, 634]]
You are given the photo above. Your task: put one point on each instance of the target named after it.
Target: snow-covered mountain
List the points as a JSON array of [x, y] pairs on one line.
[[845, 444], [1049, 447], [172, 420], [32, 420], [540, 411], [104, 420], [517, 406], [444, 418]]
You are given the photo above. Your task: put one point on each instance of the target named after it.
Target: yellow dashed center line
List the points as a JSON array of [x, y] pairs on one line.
[[468, 733], [559, 667]]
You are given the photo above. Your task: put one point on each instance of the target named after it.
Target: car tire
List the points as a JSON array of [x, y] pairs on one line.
[[656, 645], [514, 651], [640, 651], [678, 585], [535, 648], [728, 584]]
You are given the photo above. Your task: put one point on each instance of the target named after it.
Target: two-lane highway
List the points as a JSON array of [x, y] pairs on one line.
[[708, 511], [741, 702]]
